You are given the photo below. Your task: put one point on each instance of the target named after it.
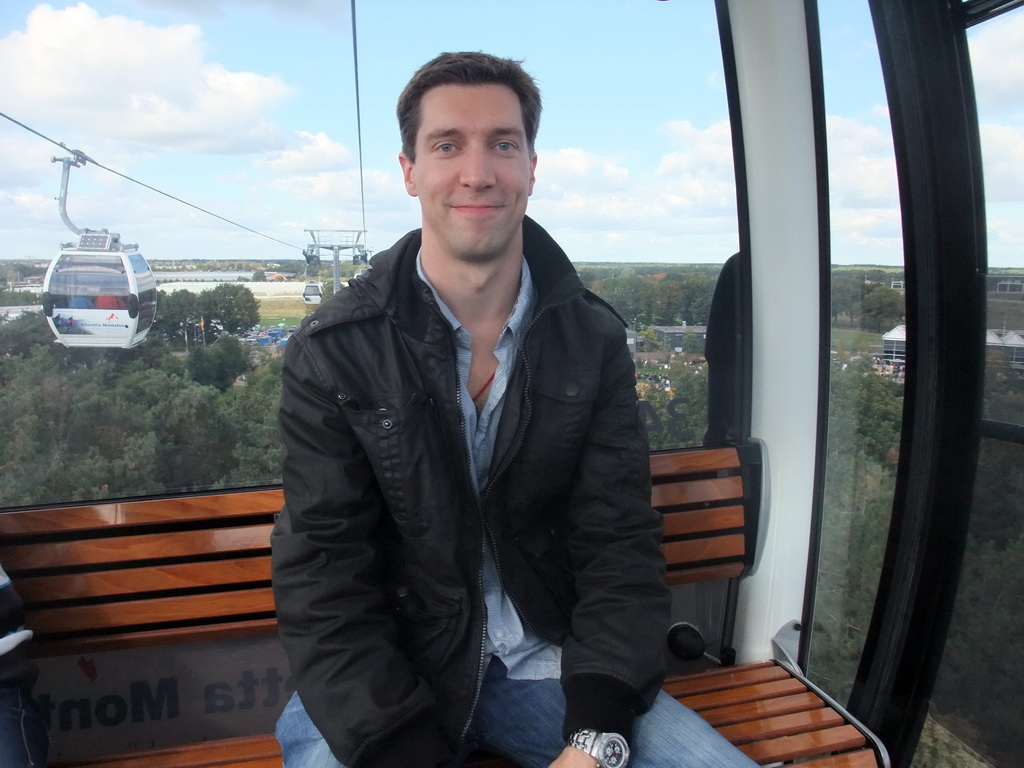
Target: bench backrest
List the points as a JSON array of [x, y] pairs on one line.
[[109, 576], [127, 574]]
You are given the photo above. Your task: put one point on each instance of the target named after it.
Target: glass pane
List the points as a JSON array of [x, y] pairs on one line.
[[1004, 346], [667, 307], [868, 346], [246, 111], [977, 712], [976, 715]]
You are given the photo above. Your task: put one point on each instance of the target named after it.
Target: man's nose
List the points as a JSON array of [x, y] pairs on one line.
[[477, 168]]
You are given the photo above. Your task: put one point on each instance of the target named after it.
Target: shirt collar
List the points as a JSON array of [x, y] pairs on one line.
[[521, 310]]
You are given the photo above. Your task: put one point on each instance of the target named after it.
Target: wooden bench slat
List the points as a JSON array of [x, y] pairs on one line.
[[692, 462], [128, 549], [862, 758], [748, 693], [781, 725], [39, 589], [698, 550], [704, 573], [97, 516], [137, 613], [699, 521], [725, 677], [226, 752], [696, 491], [755, 710], [837, 739], [147, 638]]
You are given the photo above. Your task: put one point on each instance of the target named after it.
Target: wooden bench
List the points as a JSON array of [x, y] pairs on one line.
[[162, 573]]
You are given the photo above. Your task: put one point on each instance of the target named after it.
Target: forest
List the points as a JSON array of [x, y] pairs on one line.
[[166, 418]]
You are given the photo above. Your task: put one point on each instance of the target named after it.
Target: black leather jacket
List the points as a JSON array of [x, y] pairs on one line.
[[377, 553]]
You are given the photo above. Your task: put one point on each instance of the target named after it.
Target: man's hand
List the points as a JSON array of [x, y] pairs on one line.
[[574, 758]]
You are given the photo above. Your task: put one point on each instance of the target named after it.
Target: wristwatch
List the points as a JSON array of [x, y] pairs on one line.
[[609, 749]]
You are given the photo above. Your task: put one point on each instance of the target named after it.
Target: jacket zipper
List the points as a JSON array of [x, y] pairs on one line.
[[481, 498], [467, 474], [520, 437]]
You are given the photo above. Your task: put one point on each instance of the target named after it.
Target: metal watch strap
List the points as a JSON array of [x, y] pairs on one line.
[[609, 750], [584, 739]]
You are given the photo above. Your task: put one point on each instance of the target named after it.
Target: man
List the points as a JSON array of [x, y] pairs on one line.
[[467, 556]]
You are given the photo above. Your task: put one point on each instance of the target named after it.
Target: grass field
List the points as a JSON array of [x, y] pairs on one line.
[[854, 341], [1005, 314], [287, 312]]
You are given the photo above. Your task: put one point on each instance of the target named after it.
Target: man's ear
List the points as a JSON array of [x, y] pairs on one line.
[[533, 168], [407, 173]]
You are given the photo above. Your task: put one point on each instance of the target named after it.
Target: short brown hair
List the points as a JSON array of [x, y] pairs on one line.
[[467, 68]]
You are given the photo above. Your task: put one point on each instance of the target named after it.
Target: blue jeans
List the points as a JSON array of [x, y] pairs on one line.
[[23, 737], [522, 721]]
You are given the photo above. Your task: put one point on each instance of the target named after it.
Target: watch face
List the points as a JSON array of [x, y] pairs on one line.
[[614, 752]]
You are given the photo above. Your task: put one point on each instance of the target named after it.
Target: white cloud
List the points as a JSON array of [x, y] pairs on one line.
[[682, 208], [321, 10], [310, 153], [699, 179], [997, 61], [1005, 238], [704, 152], [1002, 149], [568, 170], [94, 79], [862, 167]]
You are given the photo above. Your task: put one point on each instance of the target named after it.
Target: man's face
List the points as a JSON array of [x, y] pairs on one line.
[[473, 172]]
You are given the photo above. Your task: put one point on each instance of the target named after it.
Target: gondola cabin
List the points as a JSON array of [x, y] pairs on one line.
[[822, 514], [100, 293], [312, 294]]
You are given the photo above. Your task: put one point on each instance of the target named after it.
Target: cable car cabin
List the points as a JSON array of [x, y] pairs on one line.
[[864, 531], [312, 294], [99, 294]]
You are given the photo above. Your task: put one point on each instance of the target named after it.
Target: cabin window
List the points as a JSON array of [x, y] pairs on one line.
[[249, 114], [976, 712], [866, 371]]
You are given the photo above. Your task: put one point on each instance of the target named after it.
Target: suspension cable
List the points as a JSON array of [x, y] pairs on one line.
[[359, 119], [84, 158]]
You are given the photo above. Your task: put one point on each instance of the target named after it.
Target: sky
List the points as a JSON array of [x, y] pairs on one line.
[[247, 109]]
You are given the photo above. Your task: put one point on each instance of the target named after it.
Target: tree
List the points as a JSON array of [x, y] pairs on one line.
[[631, 297], [692, 344], [219, 364], [668, 302], [648, 341], [680, 418], [10, 298], [175, 314], [232, 306], [257, 453], [18, 336], [881, 308], [846, 290]]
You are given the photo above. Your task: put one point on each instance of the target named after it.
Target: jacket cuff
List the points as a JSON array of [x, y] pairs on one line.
[[418, 745], [600, 702]]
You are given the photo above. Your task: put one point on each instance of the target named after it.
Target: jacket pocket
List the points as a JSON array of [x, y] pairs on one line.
[[545, 553], [402, 440], [563, 402], [431, 623]]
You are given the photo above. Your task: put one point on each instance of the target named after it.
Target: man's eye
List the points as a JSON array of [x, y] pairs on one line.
[[446, 148], [506, 146]]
